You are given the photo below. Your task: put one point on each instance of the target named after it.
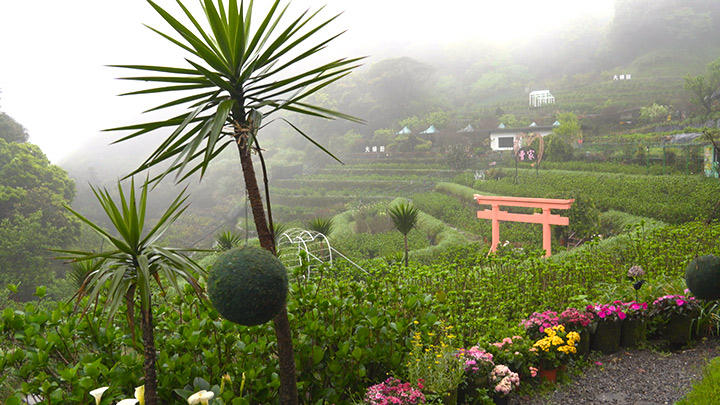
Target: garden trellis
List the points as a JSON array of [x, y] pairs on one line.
[[295, 243]]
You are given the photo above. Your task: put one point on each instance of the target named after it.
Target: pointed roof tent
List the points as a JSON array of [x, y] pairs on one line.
[[404, 131], [467, 129], [501, 126], [556, 123], [532, 125], [431, 130]]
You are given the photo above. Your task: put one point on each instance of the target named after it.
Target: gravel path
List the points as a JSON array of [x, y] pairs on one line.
[[640, 377]]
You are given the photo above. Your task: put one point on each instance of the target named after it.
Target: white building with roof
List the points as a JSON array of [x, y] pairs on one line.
[[502, 138], [539, 98]]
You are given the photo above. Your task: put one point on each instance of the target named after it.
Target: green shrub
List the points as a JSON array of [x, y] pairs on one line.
[[707, 390], [350, 329], [248, 285], [672, 199]]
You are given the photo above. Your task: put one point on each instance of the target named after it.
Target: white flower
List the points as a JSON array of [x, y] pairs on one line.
[[140, 394], [98, 393], [200, 397], [129, 401]]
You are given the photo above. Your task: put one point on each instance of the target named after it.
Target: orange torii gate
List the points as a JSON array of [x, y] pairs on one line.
[[546, 218]]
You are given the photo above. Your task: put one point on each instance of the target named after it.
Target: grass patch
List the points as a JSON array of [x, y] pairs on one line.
[[707, 390]]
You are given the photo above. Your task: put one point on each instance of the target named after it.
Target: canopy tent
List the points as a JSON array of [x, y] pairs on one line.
[[556, 123], [467, 129], [532, 125], [431, 130], [405, 131], [501, 126]]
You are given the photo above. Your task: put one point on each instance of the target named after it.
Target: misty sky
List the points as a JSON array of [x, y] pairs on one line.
[[53, 78]]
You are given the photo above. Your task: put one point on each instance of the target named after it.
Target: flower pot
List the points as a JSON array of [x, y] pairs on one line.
[[677, 331], [583, 346], [548, 374], [500, 400], [607, 337], [632, 332]]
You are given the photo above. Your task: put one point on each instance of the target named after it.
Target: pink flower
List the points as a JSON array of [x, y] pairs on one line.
[[598, 363], [680, 302], [533, 371]]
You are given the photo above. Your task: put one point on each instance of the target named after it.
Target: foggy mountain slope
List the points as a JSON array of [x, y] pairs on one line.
[[473, 81]]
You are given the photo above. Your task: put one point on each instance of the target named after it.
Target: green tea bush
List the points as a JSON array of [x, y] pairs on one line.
[[350, 329], [672, 199], [616, 222]]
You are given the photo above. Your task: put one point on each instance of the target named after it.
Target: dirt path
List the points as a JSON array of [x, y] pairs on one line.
[[639, 377]]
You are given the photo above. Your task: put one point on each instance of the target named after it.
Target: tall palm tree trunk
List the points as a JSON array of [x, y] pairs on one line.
[[406, 250], [151, 397], [288, 384]]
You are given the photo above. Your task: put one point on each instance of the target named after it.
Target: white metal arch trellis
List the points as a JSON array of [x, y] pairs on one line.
[[315, 245]]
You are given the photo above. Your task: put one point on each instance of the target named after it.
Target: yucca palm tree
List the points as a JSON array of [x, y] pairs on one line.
[[132, 260], [322, 225], [405, 218], [227, 240], [238, 74]]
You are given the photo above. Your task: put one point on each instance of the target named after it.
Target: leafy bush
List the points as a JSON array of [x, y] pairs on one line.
[[673, 199], [707, 390], [349, 328]]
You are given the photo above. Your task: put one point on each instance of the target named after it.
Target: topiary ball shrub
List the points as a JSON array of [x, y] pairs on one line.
[[702, 277], [248, 285]]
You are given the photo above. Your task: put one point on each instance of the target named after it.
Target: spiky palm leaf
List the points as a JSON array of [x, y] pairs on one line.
[[237, 74], [134, 256], [322, 225], [404, 216], [227, 240]]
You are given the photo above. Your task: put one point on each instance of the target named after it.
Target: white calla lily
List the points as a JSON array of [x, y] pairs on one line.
[[140, 394], [97, 393], [128, 401], [201, 397]]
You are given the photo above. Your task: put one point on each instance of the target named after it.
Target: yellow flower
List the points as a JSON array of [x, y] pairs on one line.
[[226, 379], [550, 332], [559, 328], [556, 340], [416, 322], [140, 394]]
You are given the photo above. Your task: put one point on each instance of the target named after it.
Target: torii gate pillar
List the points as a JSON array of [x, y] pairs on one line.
[[546, 218]]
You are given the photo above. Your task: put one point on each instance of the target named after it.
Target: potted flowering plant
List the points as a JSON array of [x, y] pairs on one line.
[[608, 329], [578, 321], [503, 382], [555, 349], [478, 364], [633, 327], [678, 312], [514, 352], [438, 365], [536, 323], [394, 391]]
